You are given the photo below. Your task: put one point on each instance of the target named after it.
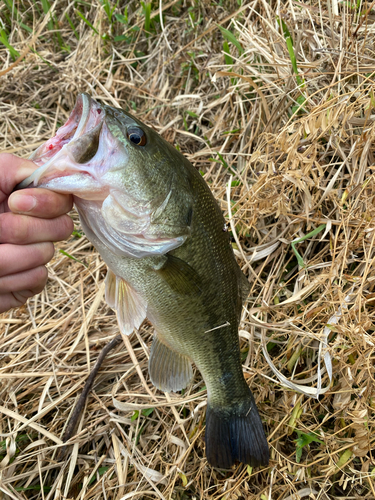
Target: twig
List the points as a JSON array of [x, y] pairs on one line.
[[72, 424]]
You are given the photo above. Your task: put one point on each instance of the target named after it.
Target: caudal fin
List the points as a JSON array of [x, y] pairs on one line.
[[235, 434]]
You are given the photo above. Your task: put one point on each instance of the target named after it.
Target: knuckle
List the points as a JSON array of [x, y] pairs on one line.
[[41, 276], [65, 227], [62, 203], [50, 251], [45, 252], [54, 204], [11, 300], [31, 280], [20, 298], [69, 224], [41, 253]]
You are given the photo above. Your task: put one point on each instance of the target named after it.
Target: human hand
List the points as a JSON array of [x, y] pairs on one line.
[[30, 220]]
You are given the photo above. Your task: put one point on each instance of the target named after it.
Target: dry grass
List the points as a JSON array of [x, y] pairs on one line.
[[300, 153]]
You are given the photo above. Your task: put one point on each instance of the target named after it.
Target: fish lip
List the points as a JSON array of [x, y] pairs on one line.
[[86, 101], [73, 129]]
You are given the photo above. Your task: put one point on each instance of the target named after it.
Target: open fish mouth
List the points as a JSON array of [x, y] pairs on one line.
[[85, 116], [72, 151]]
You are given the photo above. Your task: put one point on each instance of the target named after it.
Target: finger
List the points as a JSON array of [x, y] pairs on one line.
[[22, 229], [17, 258], [16, 299], [40, 202], [14, 170], [33, 279]]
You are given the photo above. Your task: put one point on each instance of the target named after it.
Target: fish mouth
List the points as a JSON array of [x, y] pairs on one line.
[[69, 152]]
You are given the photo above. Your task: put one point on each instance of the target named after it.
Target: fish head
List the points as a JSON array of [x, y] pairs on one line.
[[129, 185]]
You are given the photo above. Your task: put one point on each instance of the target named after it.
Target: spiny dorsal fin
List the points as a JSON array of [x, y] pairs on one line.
[[130, 306], [181, 277], [169, 371]]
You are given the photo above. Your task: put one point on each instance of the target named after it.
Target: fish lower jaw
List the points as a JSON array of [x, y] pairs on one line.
[[82, 184]]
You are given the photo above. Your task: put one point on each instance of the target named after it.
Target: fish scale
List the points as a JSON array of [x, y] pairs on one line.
[[156, 224]]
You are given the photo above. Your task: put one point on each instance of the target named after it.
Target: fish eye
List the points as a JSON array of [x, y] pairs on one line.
[[136, 136]]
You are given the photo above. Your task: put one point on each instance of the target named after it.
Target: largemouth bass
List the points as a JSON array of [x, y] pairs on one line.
[[157, 226]]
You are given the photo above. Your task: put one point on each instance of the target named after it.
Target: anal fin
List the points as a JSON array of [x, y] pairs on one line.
[[169, 371], [130, 306]]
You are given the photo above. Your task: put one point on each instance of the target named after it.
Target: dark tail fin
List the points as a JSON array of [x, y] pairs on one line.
[[235, 433]]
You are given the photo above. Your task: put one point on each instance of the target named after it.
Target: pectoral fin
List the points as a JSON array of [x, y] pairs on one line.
[[130, 306], [181, 277], [169, 371], [110, 289]]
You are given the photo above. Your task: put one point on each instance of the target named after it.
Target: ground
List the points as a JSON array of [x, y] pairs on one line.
[[274, 103]]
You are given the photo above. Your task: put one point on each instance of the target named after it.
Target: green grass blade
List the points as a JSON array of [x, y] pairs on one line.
[[101, 471], [12, 8], [289, 44], [44, 60], [227, 57], [147, 13], [86, 21], [72, 25], [225, 164], [290, 47], [46, 7], [4, 40], [108, 9], [299, 107], [345, 457], [26, 28], [313, 233], [72, 258], [232, 39]]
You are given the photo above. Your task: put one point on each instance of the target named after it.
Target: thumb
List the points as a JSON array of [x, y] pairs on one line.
[[12, 171]]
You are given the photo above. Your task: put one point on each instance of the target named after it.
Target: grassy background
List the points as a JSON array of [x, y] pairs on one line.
[[274, 103]]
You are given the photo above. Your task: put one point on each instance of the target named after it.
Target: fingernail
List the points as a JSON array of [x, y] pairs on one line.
[[22, 202]]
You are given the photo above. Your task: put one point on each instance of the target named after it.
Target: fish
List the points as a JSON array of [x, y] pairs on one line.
[[156, 224]]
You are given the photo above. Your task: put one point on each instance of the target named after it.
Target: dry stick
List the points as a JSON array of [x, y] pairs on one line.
[[364, 18], [72, 424]]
